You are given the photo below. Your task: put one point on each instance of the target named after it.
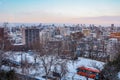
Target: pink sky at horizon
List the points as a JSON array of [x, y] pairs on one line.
[[60, 11], [80, 20]]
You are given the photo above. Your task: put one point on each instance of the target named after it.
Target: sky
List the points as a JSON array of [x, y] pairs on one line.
[[60, 11]]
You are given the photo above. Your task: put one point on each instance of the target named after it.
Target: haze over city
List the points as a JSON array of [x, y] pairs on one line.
[[60, 11]]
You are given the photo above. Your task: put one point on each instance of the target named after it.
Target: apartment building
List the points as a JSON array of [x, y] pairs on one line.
[[30, 37]]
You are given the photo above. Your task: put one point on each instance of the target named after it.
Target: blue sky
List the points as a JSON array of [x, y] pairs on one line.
[[60, 11]]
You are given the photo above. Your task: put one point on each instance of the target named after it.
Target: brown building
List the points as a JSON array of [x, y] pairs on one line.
[[30, 37], [77, 35], [1, 34], [86, 32], [115, 35]]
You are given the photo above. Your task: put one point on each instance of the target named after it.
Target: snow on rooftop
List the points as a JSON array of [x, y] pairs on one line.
[[86, 63], [59, 36], [16, 44], [72, 66], [113, 39]]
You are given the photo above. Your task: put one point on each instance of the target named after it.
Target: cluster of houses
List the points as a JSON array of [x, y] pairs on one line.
[[96, 42]]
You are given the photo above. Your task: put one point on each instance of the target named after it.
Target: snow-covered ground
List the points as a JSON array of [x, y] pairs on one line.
[[17, 56], [39, 71], [119, 75], [82, 62]]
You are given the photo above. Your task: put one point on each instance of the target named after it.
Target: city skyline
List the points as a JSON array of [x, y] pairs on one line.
[[61, 11]]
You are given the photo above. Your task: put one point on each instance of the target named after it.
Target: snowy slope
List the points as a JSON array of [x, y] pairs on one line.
[[72, 66], [39, 71]]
